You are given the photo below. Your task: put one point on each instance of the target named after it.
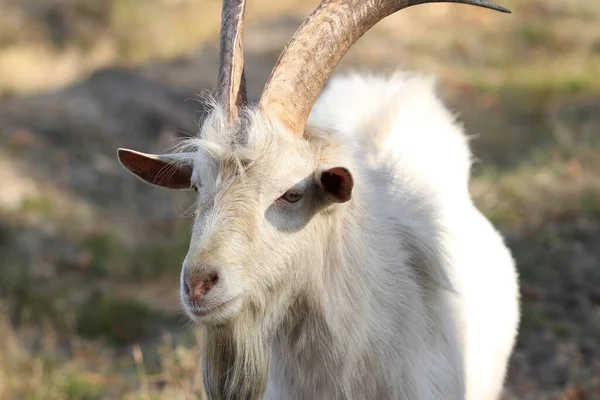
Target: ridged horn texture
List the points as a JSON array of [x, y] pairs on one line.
[[232, 80], [316, 48]]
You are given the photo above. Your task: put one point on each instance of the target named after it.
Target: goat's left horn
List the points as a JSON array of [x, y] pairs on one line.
[[316, 48], [232, 82]]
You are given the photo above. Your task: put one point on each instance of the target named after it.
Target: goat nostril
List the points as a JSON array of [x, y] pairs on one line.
[[210, 281], [198, 288], [187, 288]]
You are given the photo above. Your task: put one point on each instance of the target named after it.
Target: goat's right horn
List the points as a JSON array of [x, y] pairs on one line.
[[232, 82], [316, 48]]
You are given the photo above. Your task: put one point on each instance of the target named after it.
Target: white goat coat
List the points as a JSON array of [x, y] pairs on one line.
[[399, 121]]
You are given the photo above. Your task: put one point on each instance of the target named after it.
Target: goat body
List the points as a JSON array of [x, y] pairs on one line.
[[406, 292]]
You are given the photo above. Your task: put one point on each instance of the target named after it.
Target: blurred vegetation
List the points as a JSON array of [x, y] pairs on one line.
[[74, 37], [89, 268]]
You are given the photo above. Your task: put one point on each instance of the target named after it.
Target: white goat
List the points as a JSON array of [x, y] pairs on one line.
[[345, 260]]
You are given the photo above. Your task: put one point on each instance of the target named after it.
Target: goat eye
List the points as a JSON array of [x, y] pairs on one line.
[[291, 196], [195, 188]]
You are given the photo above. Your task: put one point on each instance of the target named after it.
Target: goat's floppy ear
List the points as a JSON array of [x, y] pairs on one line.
[[173, 171], [336, 183]]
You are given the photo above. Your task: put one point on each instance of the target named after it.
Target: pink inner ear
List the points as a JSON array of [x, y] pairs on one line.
[[156, 171], [338, 183]]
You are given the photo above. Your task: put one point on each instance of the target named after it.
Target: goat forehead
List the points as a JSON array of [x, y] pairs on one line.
[[280, 163], [273, 157], [273, 169]]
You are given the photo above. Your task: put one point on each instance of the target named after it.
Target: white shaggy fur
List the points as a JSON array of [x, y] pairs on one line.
[[405, 291], [403, 120]]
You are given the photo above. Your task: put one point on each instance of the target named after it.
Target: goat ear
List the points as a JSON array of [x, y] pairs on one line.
[[337, 183], [173, 171]]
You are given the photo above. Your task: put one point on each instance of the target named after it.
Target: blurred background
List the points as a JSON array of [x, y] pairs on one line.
[[90, 257]]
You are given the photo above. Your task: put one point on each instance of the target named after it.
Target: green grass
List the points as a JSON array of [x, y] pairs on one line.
[[37, 205], [117, 320], [73, 386], [107, 255]]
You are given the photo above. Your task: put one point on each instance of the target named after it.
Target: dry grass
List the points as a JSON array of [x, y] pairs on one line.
[[36, 364]]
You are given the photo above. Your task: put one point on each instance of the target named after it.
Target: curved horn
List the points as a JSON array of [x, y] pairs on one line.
[[317, 47], [232, 82]]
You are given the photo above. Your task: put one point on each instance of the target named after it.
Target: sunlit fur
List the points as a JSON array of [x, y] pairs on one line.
[[404, 292]]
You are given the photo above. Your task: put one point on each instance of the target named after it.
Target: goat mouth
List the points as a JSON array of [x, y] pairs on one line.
[[204, 311]]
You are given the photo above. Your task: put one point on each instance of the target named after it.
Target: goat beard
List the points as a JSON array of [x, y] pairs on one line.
[[236, 359]]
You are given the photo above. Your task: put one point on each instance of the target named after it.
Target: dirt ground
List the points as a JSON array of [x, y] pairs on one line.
[[89, 257]]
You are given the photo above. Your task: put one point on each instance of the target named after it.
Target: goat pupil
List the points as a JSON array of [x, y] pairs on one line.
[[292, 196]]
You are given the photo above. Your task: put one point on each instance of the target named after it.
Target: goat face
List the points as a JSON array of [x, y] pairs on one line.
[[261, 215]]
